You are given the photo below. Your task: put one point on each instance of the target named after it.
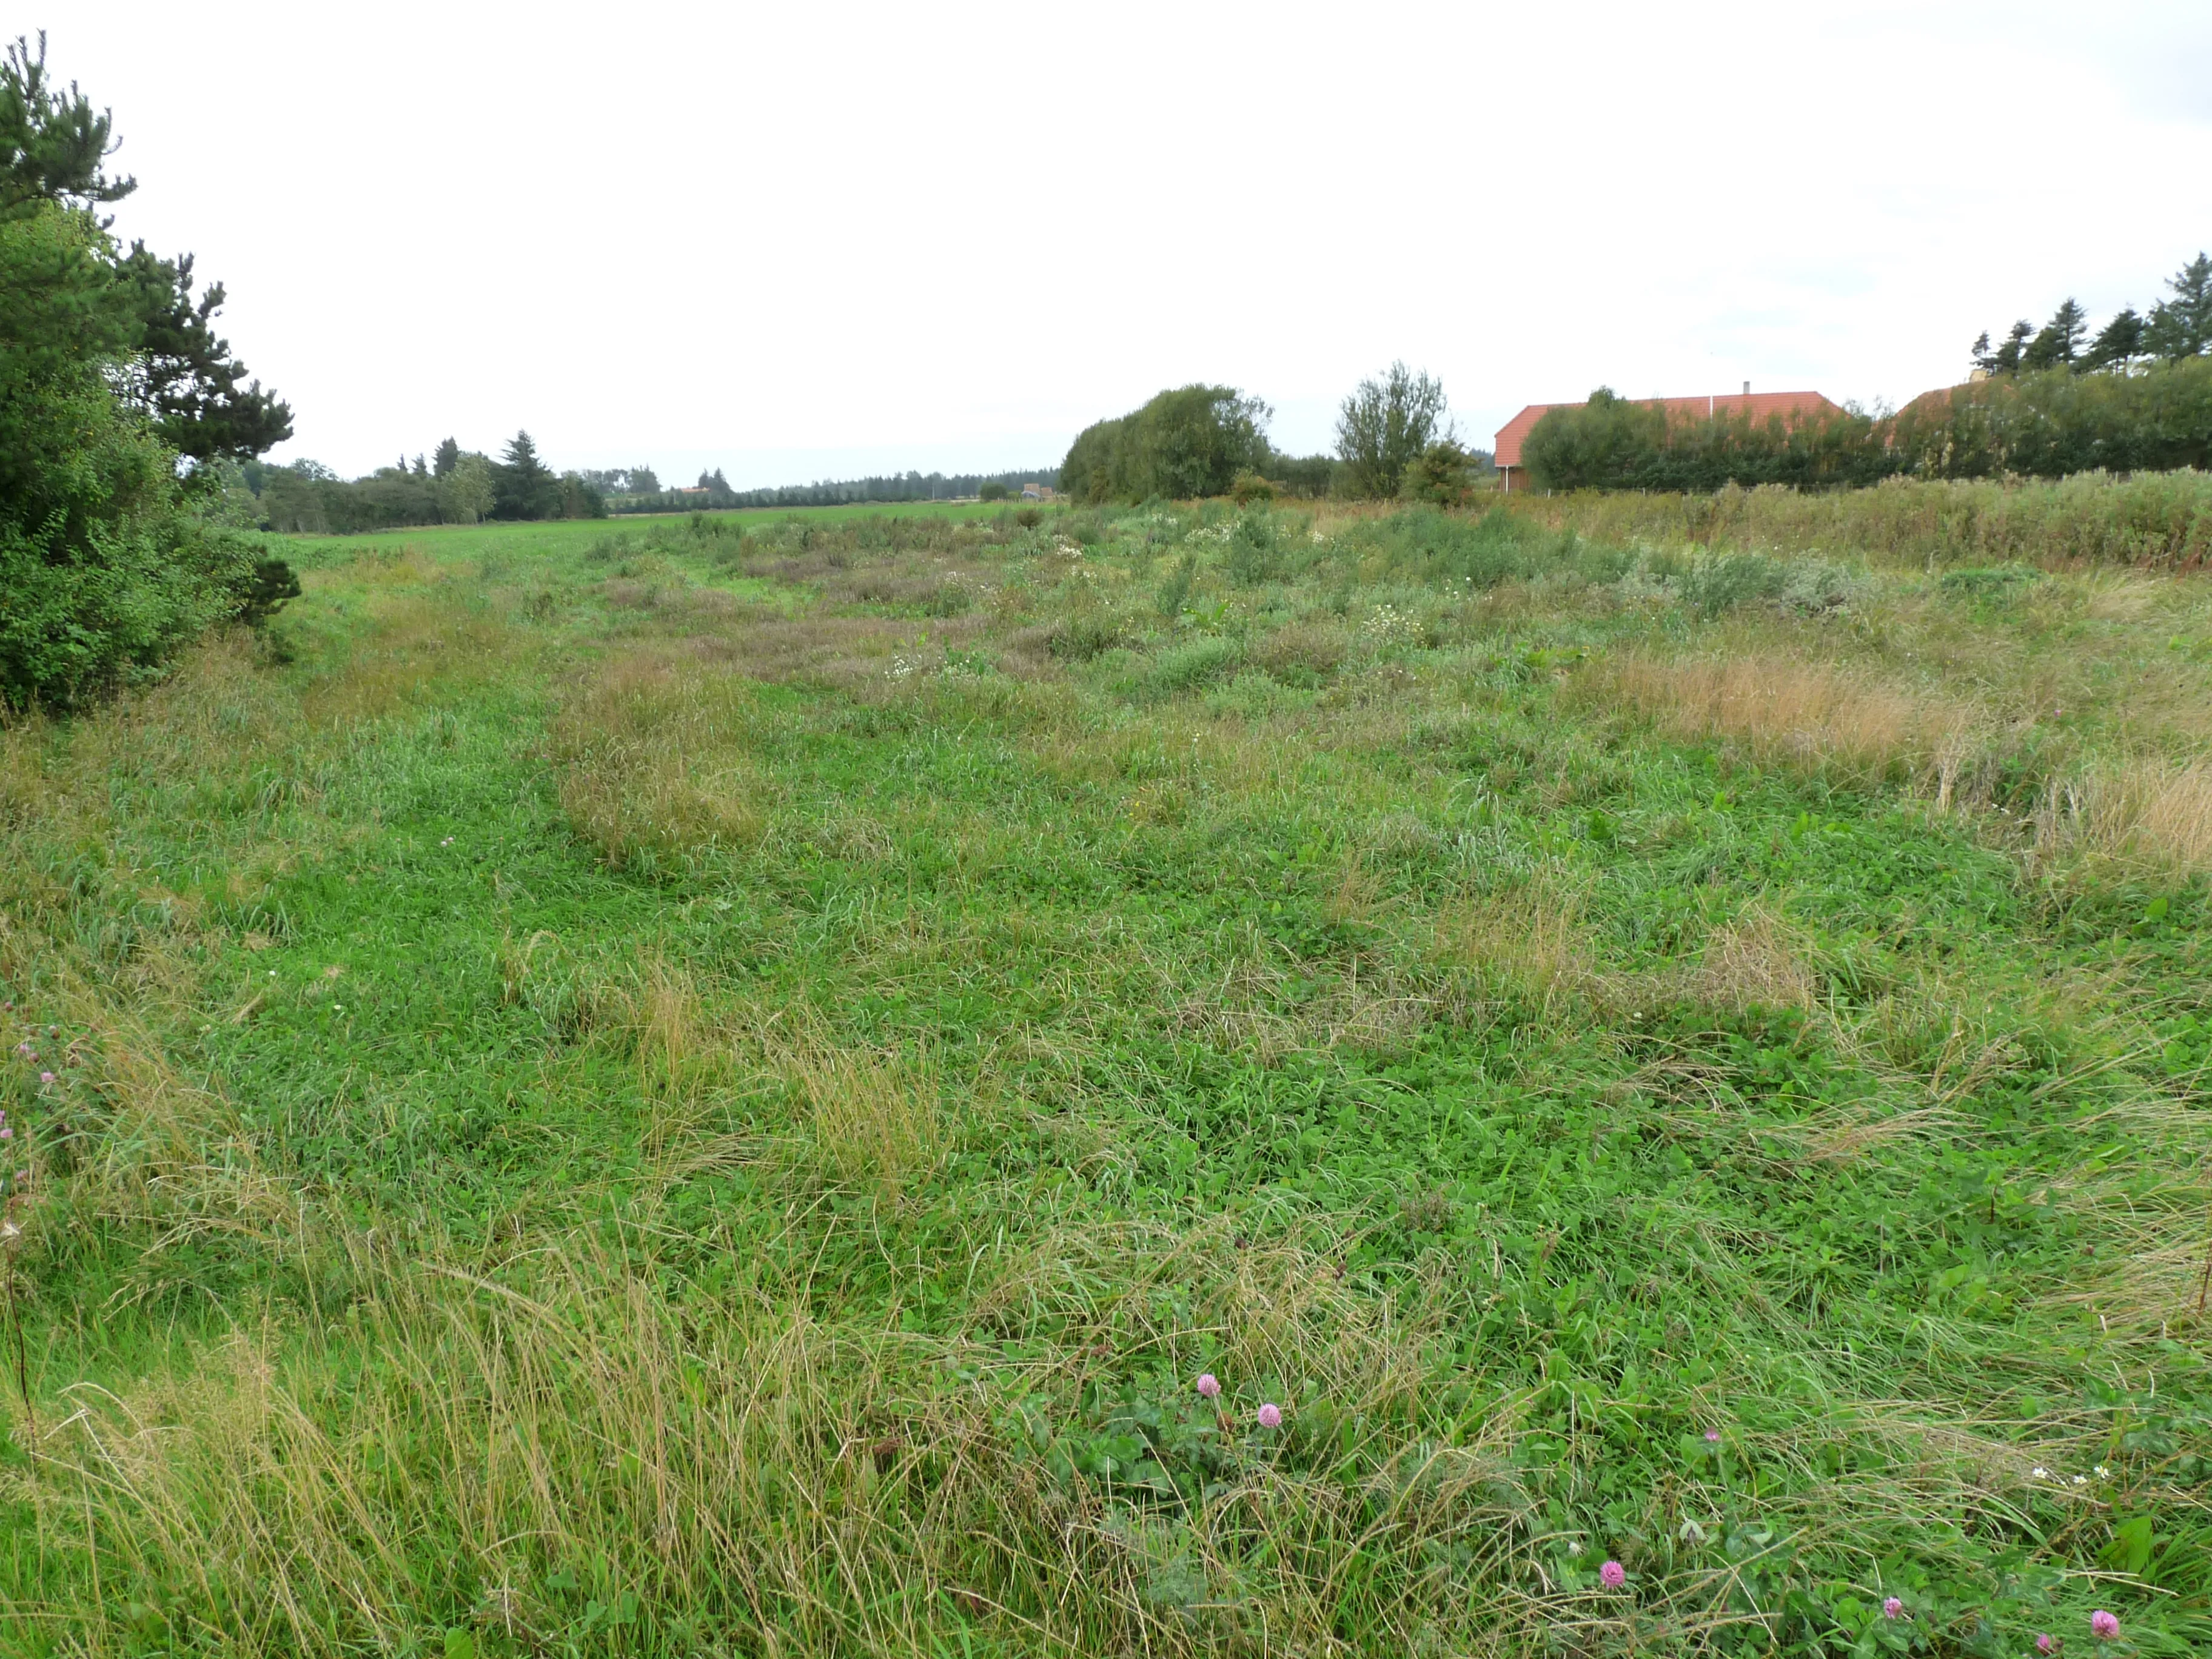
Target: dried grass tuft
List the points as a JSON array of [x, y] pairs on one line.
[[1753, 963], [2150, 809], [1811, 714], [652, 757], [871, 1116]]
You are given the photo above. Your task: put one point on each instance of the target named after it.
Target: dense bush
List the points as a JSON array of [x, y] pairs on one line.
[[1188, 442], [110, 370], [1442, 475], [2052, 424], [1612, 442], [2034, 425], [104, 572]]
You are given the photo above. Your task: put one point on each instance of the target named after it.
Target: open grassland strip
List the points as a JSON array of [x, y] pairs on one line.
[[666, 1091], [2157, 521]]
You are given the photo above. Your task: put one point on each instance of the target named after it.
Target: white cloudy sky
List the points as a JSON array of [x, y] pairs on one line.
[[815, 240]]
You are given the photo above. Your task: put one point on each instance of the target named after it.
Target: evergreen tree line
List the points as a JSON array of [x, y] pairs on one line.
[[1394, 439], [455, 486], [121, 412], [2176, 328], [894, 487]]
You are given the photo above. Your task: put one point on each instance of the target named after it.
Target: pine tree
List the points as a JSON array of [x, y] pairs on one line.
[[522, 486], [1983, 358], [2118, 343], [186, 378], [446, 457], [2182, 327], [2059, 341], [53, 146]]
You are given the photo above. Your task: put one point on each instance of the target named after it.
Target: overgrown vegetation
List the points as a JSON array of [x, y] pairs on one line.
[[118, 405], [2046, 425], [2160, 521], [717, 1089], [1394, 440]]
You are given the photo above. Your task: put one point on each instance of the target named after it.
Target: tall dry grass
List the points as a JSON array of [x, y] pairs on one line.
[[1841, 721], [2161, 521], [2156, 809], [495, 1451], [1805, 713], [872, 1118], [651, 751]]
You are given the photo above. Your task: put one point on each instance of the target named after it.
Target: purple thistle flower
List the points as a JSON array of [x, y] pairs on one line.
[[2103, 1625], [1613, 1575], [1271, 1416], [1893, 1608], [1209, 1385]]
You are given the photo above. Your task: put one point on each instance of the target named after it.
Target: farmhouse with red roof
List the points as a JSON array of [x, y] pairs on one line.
[[1791, 406]]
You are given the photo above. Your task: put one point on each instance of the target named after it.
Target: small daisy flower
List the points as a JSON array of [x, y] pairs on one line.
[[2040, 1473]]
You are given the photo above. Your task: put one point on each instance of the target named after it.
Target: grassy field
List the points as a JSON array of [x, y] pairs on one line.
[[714, 1087]]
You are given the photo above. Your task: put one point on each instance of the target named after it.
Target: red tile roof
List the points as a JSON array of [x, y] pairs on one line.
[[1757, 404]]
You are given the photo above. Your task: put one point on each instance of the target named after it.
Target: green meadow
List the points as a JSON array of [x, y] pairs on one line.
[[712, 1086]]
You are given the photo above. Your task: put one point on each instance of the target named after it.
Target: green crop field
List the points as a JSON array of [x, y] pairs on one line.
[[714, 1086]]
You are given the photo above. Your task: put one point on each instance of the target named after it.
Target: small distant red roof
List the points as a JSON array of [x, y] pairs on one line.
[[1757, 404]]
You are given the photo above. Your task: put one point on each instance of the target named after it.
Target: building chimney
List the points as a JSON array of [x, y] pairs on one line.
[[1746, 388]]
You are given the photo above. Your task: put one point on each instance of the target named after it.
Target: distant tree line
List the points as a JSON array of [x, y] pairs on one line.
[[713, 490], [456, 486], [1393, 439]]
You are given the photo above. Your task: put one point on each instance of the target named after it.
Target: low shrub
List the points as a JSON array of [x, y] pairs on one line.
[[1187, 666], [1248, 486], [1086, 635]]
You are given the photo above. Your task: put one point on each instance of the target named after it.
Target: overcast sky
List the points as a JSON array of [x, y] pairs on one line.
[[818, 240]]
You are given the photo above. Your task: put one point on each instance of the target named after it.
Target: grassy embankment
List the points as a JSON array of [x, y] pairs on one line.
[[652, 1092]]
